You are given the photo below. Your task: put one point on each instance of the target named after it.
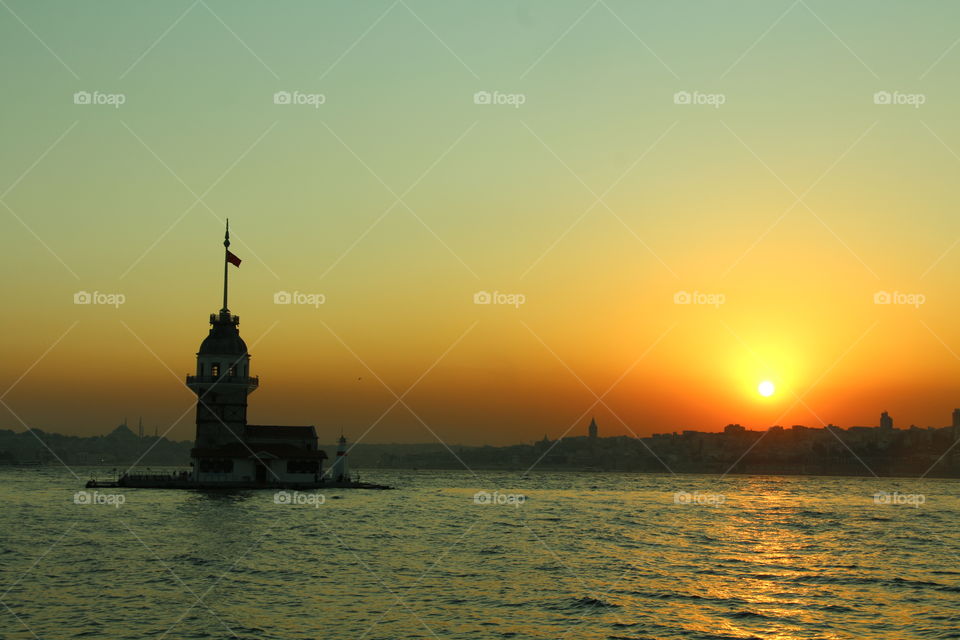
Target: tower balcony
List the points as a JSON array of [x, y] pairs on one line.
[[225, 381], [224, 317]]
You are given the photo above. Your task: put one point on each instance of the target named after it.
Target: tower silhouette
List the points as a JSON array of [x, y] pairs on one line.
[[222, 381]]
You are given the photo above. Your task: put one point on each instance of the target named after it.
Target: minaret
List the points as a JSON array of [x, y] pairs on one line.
[[592, 429], [222, 381]]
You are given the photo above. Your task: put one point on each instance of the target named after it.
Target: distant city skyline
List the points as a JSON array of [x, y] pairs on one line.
[[591, 430]]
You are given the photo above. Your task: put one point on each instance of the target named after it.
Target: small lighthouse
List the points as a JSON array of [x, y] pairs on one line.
[[340, 471]]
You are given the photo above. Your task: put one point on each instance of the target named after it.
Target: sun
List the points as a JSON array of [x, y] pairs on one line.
[[766, 388]]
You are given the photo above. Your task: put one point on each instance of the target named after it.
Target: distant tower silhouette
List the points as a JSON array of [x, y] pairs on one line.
[[223, 380], [886, 422], [542, 445], [592, 429], [339, 470]]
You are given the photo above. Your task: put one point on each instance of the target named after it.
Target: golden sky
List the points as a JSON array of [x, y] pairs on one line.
[[783, 167]]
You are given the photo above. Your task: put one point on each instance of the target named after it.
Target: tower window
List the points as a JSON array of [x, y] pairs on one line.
[[231, 371], [215, 370]]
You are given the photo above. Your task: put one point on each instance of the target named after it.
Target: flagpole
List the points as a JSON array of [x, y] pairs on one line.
[[226, 252]]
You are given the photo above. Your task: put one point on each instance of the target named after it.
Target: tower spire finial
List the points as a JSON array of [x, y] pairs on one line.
[[226, 259]]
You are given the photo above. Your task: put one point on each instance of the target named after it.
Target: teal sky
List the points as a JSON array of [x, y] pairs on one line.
[[492, 198]]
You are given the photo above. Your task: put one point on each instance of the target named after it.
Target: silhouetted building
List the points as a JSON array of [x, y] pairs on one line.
[[886, 422], [592, 429]]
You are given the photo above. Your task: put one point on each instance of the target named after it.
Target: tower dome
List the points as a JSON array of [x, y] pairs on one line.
[[224, 337]]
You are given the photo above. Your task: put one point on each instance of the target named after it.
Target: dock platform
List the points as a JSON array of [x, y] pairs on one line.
[[162, 481]]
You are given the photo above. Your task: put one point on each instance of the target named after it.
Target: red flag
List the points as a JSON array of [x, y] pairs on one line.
[[232, 259]]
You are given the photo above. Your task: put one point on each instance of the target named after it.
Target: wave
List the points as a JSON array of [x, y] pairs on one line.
[[592, 603]]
